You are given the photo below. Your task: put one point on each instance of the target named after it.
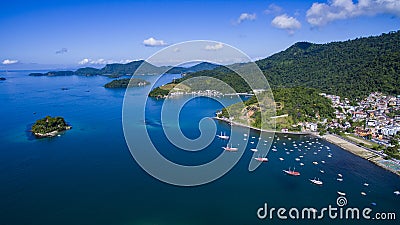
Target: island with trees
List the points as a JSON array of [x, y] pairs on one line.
[[49, 127], [126, 82]]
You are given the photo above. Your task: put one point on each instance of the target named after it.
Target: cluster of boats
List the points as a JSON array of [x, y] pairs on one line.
[[306, 145]]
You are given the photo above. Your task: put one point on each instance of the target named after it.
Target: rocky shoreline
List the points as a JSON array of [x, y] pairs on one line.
[[51, 134]]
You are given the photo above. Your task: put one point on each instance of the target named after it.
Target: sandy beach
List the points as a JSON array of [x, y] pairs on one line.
[[370, 155]]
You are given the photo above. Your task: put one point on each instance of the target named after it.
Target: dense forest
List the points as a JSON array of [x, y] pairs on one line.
[[49, 124], [352, 68]]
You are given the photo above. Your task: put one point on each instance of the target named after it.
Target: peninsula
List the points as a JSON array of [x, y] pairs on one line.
[[126, 82]]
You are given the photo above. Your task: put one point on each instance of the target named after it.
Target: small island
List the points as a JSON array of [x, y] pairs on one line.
[[126, 82], [49, 126]]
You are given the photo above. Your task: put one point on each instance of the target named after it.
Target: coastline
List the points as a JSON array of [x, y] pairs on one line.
[[369, 155], [262, 130], [52, 133]]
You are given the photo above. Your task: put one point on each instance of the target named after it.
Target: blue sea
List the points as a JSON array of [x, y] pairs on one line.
[[87, 175]]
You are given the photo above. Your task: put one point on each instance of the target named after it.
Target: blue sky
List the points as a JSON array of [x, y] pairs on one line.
[[72, 33]]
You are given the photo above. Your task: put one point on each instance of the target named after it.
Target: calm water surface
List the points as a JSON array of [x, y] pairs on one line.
[[88, 176]]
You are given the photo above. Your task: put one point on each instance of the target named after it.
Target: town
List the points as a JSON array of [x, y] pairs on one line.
[[373, 122]]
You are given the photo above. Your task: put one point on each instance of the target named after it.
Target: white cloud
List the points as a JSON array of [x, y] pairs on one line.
[[322, 13], [246, 16], [273, 9], [87, 61], [152, 42], [9, 61], [286, 22], [215, 47]]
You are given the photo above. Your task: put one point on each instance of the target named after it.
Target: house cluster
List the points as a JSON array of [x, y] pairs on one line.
[[378, 116]]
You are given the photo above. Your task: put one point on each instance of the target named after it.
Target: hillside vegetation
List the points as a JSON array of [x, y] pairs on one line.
[[352, 68]]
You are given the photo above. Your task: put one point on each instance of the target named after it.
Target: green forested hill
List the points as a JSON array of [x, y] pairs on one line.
[[351, 68]]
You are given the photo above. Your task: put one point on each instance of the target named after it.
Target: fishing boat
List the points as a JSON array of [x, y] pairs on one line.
[[292, 172], [397, 192], [340, 175], [363, 193], [366, 184], [339, 179], [281, 159], [321, 171], [230, 149], [261, 159], [316, 181], [254, 150], [341, 193], [223, 136], [301, 164], [315, 163]]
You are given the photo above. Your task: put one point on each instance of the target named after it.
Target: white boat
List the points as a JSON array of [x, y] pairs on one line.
[[254, 150], [245, 135], [252, 142], [397, 192], [281, 159], [341, 193], [274, 150], [261, 159], [315, 163], [363, 193], [301, 164], [316, 181], [321, 171], [297, 159], [223, 136], [230, 149], [339, 179], [322, 161], [340, 175]]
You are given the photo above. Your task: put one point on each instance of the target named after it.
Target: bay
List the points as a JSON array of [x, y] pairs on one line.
[[88, 176]]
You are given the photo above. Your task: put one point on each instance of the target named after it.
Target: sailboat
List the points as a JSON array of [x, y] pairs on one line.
[[224, 136], [316, 181], [230, 149], [292, 172]]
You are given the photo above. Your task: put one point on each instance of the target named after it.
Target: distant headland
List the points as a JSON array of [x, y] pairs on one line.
[[129, 69], [126, 82]]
